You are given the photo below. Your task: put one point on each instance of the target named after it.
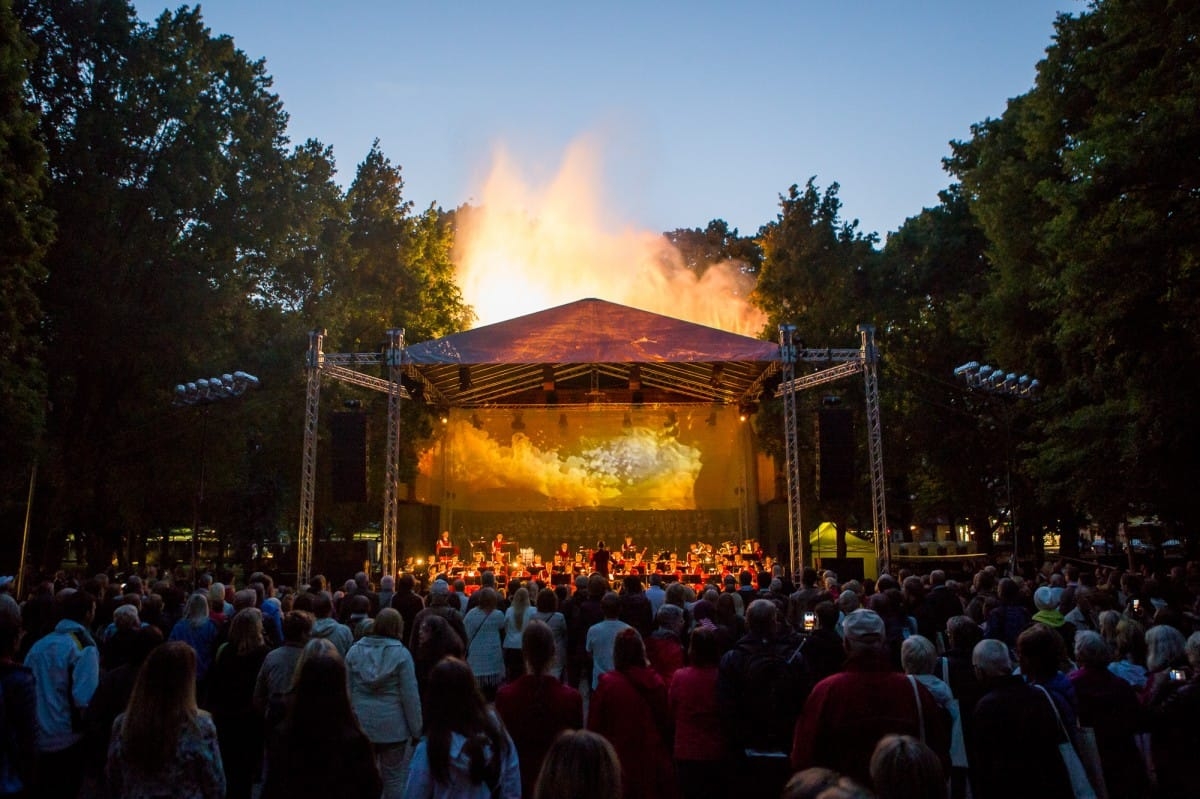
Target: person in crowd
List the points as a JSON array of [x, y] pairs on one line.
[[274, 680], [199, 632], [163, 744], [848, 713], [515, 619], [819, 783], [656, 593], [629, 708], [383, 692], [586, 612], [435, 640], [761, 686], [360, 620], [466, 752], [602, 636], [1040, 654], [581, 765], [485, 625], [387, 590], [1164, 653], [1047, 600], [664, 647], [1174, 735], [919, 658], [320, 749], [701, 749], [730, 626], [803, 599], [636, 610], [439, 605], [66, 670], [904, 768], [942, 603], [409, 603], [232, 679], [1006, 621], [326, 626], [547, 612], [823, 651], [18, 711], [1109, 706], [1014, 745], [1129, 642], [536, 707]]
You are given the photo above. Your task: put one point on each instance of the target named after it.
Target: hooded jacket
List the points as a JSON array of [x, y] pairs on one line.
[[423, 785], [383, 689], [337, 633]]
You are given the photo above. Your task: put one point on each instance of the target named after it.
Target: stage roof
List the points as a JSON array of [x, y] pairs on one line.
[[591, 351]]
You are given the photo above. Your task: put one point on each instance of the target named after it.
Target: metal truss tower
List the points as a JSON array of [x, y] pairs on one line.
[[848, 362]]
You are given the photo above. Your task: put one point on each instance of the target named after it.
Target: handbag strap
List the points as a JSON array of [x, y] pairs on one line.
[[920, 708], [1054, 706], [945, 670]]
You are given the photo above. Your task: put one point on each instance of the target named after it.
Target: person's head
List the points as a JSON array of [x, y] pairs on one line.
[[405, 584], [1164, 646], [904, 768], [125, 617], [162, 702], [963, 633], [537, 646], [810, 783], [297, 626], [437, 637], [669, 617], [827, 615], [863, 632], [579, 764], [760, 618], [547, 601], [387, 583], [1192, 649], [439, 592], [991, 659], [610, 605], [1091, 650], [918, 655], [704, 649], [320, 697], [628, 650], [360, 605], [79, 606], [1039, 652], [1010, 591], [488, 598], [322, 606], [388, 624], [520, 600], [847, 602], [246, 631], [196, 609]]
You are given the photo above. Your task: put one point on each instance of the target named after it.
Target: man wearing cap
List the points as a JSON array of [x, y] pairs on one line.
[[848, 713], [439, 605]]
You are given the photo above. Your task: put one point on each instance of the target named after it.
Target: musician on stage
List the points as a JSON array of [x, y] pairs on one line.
[[498, 548], [563, 559], [602, 560], [444, 549]]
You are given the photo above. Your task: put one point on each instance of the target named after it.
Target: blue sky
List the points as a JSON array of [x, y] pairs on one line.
[[701, 110]]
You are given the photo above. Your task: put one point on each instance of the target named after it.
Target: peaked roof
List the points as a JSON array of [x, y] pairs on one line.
[[592, 331], [591, 351]]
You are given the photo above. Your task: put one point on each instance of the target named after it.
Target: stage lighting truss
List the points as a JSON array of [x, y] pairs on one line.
[[994, 380], [214, 389]]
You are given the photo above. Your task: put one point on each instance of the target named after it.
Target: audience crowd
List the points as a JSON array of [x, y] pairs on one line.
[[1075, 680]]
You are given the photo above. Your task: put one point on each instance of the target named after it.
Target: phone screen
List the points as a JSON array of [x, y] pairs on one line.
[[810, 621]]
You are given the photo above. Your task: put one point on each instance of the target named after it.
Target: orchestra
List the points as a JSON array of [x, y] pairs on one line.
[[697, 561]]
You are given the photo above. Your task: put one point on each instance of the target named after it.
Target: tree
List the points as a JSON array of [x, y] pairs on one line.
[[26, 229], [1089, 197], [715, 244]]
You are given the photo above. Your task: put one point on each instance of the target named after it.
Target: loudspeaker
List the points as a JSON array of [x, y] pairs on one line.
[[349, 444], [835, 454]]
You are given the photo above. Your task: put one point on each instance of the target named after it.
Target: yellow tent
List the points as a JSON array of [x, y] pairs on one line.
[[822, 543]]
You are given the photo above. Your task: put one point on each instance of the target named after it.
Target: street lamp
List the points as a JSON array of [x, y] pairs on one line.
[[203, 393], [994, 381]]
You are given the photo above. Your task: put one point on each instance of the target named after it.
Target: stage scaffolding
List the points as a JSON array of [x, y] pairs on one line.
[[341, 366]]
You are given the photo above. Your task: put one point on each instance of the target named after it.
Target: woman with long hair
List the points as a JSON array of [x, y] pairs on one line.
[[163, 744], [466, 753], [484, 626], [629, 707], [319, 749], [547, 612], [580, 765], [435, 639], [536, 707], [231, 684], [383, 691], [199, 632], [515, 617]]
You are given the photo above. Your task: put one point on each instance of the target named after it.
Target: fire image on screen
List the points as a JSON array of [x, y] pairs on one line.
[[571, 458]]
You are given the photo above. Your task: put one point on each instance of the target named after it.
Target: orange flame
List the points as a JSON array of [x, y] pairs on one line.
[[527, 248]]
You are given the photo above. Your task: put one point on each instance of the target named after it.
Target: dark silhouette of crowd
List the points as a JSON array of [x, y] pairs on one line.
[[1075, 680]]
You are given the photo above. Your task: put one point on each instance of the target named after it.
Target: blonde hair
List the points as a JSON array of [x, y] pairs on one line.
[[520, 608], [246, 631]]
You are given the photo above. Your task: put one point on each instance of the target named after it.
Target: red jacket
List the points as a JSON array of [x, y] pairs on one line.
[[534, 711], [848, 713], [629, 708], [693, 701]]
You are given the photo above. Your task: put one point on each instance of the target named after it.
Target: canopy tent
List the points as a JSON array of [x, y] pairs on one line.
[[822, 543], [590, 351]]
